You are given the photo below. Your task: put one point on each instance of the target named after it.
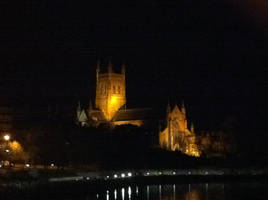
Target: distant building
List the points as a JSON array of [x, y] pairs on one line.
[[110, 91], [110, 102], [110, 108], [177, 136]]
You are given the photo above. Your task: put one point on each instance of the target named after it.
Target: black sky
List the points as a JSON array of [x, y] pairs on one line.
[[210, 53]]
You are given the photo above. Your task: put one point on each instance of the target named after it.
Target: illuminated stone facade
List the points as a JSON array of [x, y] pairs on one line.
[[110, 91], [177, 136], [110, 101], [110, 109]]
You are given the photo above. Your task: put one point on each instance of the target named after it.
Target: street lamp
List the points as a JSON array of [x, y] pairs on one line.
[[6, 137]]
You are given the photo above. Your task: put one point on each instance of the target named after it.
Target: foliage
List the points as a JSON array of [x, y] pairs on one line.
[[16, 154]]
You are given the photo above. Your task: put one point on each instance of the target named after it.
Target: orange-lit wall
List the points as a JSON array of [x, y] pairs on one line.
[[110, 93], [132, 122], [177, 136]]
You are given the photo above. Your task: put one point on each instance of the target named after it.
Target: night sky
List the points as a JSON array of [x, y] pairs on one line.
[[212, 54]]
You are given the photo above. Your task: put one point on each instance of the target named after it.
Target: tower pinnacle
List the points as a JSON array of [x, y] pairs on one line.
[[123, 69], [183, 110], [79, 106], [192, 127], [110, 92], [97, 70], [168, 107], [110, 67]]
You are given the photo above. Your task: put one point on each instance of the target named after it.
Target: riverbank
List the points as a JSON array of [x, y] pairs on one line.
[[34, 177], [32, 183]]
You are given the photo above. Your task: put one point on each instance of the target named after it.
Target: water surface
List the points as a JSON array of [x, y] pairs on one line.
[[204, 191]]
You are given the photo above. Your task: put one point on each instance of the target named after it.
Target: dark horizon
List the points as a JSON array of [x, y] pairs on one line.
[[212, 55]]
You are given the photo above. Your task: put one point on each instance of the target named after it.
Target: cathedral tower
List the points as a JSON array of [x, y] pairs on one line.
[[110, 91]]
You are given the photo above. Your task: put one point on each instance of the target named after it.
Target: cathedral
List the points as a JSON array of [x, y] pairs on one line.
[[110, 108], [110, 102], [176, 136]]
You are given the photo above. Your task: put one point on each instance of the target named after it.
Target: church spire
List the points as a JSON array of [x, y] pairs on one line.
[[78, 111], [192, 127], [168, 107], [110, 67], [97, 70], [183, 110], [168, 113], [123, 69], [98, 64], [79, 106]]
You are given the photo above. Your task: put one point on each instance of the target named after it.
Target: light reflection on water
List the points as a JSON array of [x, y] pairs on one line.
[[206, 191]]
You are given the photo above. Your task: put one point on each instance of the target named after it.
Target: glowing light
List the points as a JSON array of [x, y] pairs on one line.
[[174, 191], [6, 137], [113, 100], [115, 194], [173, 173], [148, 192], [129, 192], [15, 147], [52, 165], [115, 176], [107, 176], [129, 174], [7, 150], [27, 165], [160, 191], [147, 173], [123, 175], [123, 193]]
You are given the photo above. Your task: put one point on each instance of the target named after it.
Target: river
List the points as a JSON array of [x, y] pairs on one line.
[[198, 191], [256, 190]]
